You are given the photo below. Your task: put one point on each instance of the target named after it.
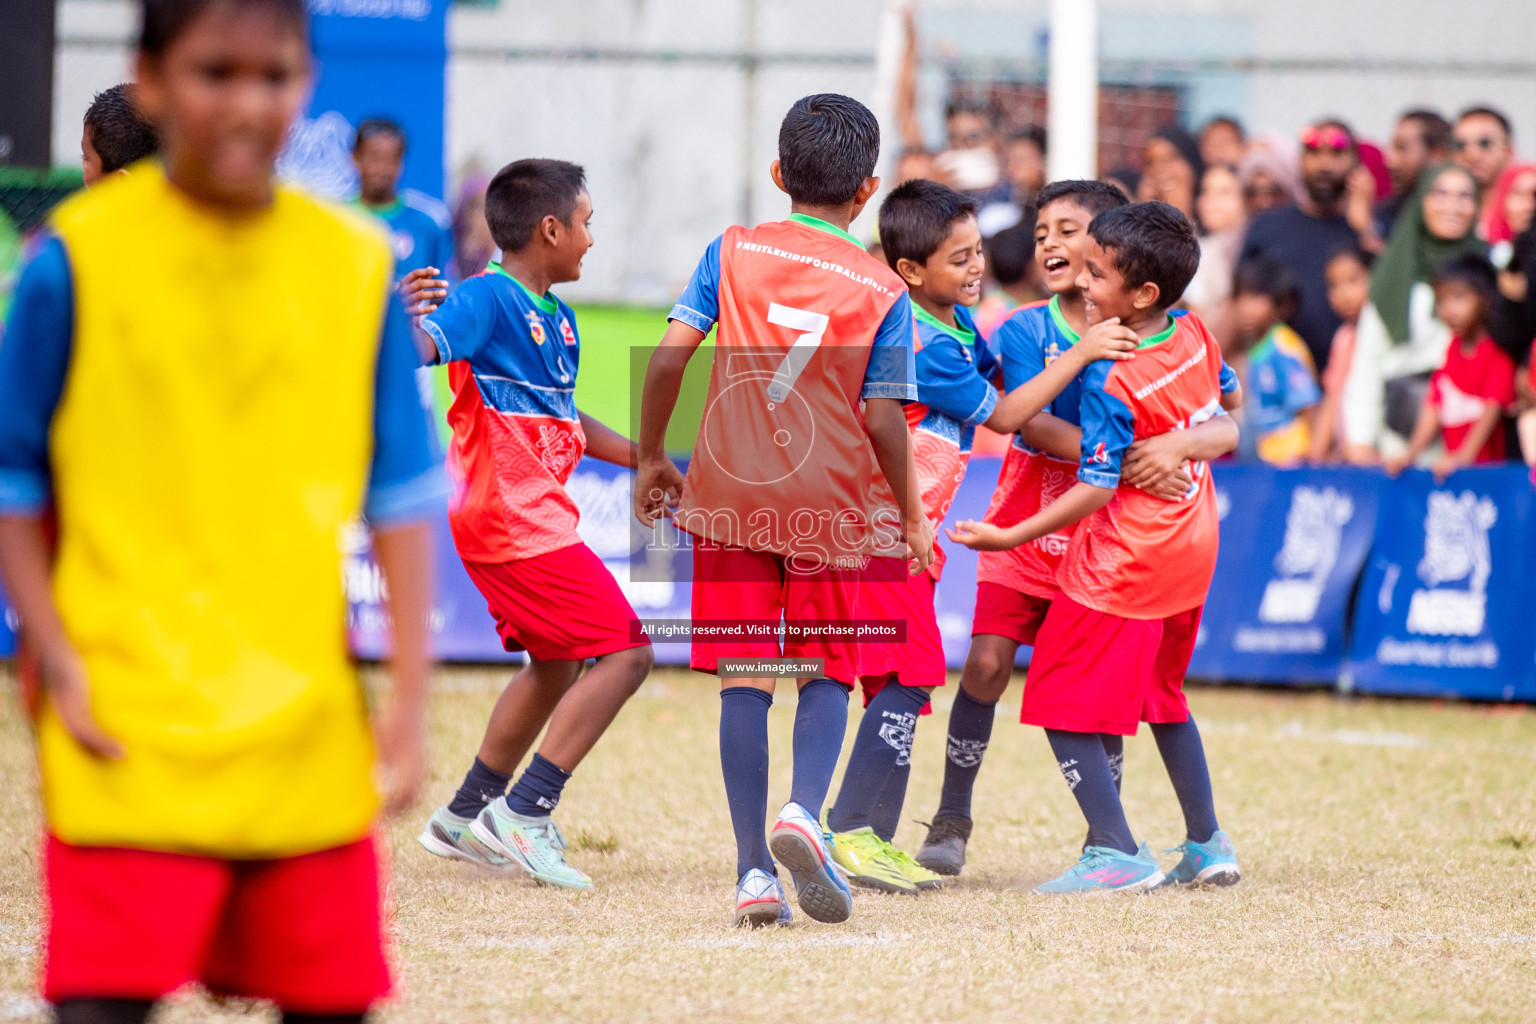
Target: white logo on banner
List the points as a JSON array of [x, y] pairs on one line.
[[1455, 550], [318, 156], [1314, 532]]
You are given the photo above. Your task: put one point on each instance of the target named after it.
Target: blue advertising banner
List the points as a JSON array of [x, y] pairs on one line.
[[7, 627], [1293, 543], [1445, 606], [375, 58]]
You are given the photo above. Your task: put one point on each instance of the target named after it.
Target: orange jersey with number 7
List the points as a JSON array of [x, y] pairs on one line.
[[810, 325]]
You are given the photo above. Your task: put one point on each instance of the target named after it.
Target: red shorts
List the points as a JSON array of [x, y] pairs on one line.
[[737, 584], [1165, 691], [1090, 670], [920, 660], [560, 606], [302, 931], [1003, 611]]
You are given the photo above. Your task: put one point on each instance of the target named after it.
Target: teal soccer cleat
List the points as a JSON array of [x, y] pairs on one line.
[[532, 844], [1209, 863], [451, 836], [1105, 869]]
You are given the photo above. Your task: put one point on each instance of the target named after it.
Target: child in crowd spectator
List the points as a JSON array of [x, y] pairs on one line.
[[1348, 273], [1275, 367], [1470, 392]]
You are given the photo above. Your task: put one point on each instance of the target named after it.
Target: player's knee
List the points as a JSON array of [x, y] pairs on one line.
[[636, 663], [986, 674]]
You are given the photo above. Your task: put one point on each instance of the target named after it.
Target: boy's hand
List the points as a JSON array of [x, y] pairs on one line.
[[402, 767], [423, 291], [1156, 465], [920, 540], [658, 489], [979, 536], [63, 679], [1107, 339]]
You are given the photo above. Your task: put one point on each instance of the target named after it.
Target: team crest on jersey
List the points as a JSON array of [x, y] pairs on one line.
[[1052, 353], [1099, 457], [536, 328], [567, 332]]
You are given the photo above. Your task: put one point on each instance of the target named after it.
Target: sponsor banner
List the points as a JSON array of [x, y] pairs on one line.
[[1293, 543], [1445, 605], [361, 45]]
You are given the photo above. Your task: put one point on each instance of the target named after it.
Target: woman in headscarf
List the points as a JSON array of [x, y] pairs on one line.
[[1174, 170], [1270, 180], [1399, 342]]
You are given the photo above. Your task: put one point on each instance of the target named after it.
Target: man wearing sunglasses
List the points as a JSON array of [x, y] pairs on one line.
[[1302, 237], [1481, 142]]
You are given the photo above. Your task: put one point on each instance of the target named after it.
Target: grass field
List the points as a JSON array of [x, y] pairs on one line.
[[1389, 855]]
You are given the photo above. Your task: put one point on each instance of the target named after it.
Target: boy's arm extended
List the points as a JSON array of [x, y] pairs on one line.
[[886, 424], [658, 483], [404, 555], [1080, 501], [608, 445], [1106, 340]]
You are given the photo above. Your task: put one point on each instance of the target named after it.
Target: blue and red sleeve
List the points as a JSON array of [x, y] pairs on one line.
[[462, 325], [892, 369], [1021, 343], [948, 381], [1109, 427], [699, 305]]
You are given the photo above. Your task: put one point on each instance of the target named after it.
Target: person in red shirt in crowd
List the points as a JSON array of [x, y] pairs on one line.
[[1471, 392]]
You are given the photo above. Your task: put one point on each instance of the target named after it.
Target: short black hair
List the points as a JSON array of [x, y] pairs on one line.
[[1030, 133], [1225, 119], [164, 20], [1150, 242], [828, 145], [1260, 275], [1488, 112], [916, 218], [120, 135], [1093, 196], [524, 192], [1473, 271], [1435, 129], [1350, 252], [374, 127], [1010, 251]]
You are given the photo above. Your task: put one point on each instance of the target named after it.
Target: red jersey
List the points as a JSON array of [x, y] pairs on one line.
[[1140, 557], [810, 326], [1462, 389]]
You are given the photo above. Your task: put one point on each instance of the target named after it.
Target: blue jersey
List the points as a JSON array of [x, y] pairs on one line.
[[420, 232], [517, 436]]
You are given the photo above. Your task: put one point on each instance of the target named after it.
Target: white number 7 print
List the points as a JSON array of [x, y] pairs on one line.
[[813, 326]]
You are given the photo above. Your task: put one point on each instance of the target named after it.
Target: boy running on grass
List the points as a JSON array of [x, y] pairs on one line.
[[1014, 588], [1116, 642], [512, 353], [929, 235], [813, 362], [205, 748]]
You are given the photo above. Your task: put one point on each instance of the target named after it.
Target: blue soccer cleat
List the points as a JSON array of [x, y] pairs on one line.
[[760, 901], [1104, 869], [798, 843], [1210, 863]]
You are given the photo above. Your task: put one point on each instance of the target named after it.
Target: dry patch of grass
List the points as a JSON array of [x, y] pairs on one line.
[[1389, 851]]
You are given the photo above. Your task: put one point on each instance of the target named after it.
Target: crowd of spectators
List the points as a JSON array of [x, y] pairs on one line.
[[1374, 299]]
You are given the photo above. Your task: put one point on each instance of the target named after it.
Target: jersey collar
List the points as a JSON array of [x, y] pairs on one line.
[[821, 225], [1060, 320], [1162, 335], [961, 333], [546, 302], [393, 206]]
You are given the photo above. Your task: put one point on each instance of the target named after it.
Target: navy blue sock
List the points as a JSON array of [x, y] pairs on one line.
[[970, 729], [1085, 766], [481, 785], [1184, 757], [821, 718], [744, 761], [537, 792], [882, 745], [1114, 749]]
